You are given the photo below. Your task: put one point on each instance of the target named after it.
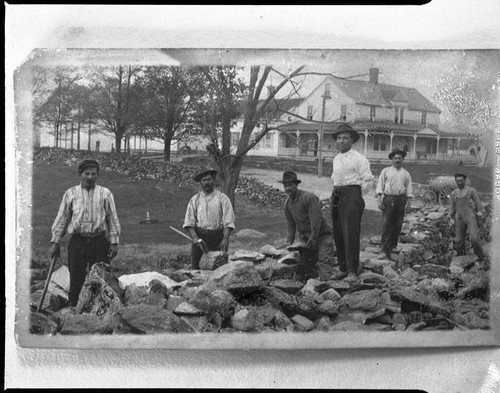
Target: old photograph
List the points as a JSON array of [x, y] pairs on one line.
[[257, 198]]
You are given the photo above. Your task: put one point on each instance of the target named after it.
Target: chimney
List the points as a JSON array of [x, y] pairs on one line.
[[374, 75]]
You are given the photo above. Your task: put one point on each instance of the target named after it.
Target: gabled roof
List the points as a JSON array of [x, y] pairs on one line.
[[276, 107], [379, 94]]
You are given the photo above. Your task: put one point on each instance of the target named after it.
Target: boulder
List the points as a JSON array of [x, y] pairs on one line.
[[400, 321], [329, 294], [287, 285], [212, 302], [271, 268], [245, 255], [368, 300], [281, 299], [339, 286], [462, 263], [101, 293], [281, 321], [235, 277], [273, 252], [59, 282], [249, 234], [328, 307], [302, 323], [199, 324], [85, 324], [245, 320], [135, 295], [173, 302], [373, 278], [410, 274], [149, 319], [51, 302], [476, 286], [390, 273], [187, 309], [412, 301], [213, 260], [431, 270], [42, 324], [290, 258], [311, 286], [143, 279], [324, 324]]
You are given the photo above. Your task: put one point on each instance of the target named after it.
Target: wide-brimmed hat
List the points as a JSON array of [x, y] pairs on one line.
[[402, 153], [206, 172], [346, 128], [86, 163], [289, 176], [460, 174]]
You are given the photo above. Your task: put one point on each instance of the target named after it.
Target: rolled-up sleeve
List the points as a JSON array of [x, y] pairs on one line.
[[227, 212], [365, 175], [63, 218], [409, 187], [381, 182], [189, 218], [113, 223]]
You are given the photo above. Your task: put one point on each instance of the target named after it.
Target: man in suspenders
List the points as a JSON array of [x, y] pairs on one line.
[[209, 217], [465, 208]]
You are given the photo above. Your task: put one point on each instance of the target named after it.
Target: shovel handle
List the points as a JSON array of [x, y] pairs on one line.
[[47, 281], [180, 233]]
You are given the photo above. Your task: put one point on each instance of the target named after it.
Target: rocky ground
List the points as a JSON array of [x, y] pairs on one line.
[[425, 285]]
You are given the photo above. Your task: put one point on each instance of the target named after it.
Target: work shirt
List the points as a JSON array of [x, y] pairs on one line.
[[209, 211], [352, 168], [473, 200], [87, 212], [303, 214], [394, 181]]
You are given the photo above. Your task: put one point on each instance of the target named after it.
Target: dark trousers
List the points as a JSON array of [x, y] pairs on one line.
[[212, 238], [318, 262], [393, 212], [347, 209], [83, 252]]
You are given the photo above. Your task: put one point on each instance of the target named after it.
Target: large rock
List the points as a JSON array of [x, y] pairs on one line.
[[272, 269], [213, 260], [51, 302], [188, 309], [462, 263], [101, 293], [236, 277], [199, 324], [135, 295], [328, 307], [287, 285], [211, 302], [329, 294], [245, 320], [245, 255], [249, 234], [281, 299], [42, 324], [272, 251], [410, 274], [431, 270], [143, 279], [149, 319], [302, 323], [281, 321], [373, 278], [475, 286], [85, 324], [368, 300], [59, 282], [412, 301]]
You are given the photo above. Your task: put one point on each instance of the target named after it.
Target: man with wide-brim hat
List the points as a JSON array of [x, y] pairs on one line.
[[209, 217], [88, 213], [351, 177], [394, 193], [465, 209], [304, 217]]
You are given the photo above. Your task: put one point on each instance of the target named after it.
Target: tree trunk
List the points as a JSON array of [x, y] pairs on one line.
[[167, 139], [118, 143], [78, 134], [90, 126], [228, 175]]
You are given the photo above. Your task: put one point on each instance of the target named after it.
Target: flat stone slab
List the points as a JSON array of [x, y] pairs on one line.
[[143, 280]]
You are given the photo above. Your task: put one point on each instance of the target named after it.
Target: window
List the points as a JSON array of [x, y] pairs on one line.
[[424, 118], [372, 113], [399, 114], [343, 112], [379, 142], [235, 138], [309, 112], [268, 139], [327, 89]]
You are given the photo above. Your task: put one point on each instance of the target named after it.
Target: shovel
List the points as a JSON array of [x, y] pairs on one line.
[[47, 282], [200, 242]]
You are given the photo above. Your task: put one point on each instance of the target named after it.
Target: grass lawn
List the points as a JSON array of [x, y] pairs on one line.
[[148, 246]]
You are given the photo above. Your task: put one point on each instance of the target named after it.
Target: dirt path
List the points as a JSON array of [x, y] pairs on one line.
[[321, 186]]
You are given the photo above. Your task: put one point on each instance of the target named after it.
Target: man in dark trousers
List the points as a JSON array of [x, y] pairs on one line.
[[209, 217], [303, 215], [351, 177], [88, 213], [394, 193], [465, 208]]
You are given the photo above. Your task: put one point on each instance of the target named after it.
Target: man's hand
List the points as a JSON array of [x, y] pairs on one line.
[[479, 214], [55, 250], [408, 206], [113, 250], [224, 245], [312, 243]]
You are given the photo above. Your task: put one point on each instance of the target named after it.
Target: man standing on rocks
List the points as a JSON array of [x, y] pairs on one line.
[[351, 178], [465, 208], [88, 213], [303, 215], [209, 217], [394, 193]]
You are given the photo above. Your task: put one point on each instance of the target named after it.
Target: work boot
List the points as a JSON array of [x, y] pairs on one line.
[[351, 278], [340, 275]]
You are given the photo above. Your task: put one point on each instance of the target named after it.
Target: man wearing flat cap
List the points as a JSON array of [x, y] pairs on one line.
[[394, 193], [209, 217], [303, 215], [352, 178], [465, 208], [88, 213]]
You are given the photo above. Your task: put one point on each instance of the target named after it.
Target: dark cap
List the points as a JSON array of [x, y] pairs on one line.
[[460, 175], [201, 175], [346, 128], [402, 153], [86, 163], [289, 176]]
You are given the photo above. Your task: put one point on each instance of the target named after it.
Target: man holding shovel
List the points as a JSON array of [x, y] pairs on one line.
[[88, 213], [209, 217]]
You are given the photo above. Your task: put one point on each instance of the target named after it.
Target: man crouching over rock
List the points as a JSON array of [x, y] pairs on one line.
[[209, 217], [303, 215]]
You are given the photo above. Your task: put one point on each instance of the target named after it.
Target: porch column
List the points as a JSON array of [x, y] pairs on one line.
[[458, 148], [297, 151], [437, 147], [414, 146], [390, 143], [366, 142]]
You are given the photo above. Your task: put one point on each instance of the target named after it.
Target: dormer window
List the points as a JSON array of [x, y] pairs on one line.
[[343, 112], [399, 115], [424, 118]]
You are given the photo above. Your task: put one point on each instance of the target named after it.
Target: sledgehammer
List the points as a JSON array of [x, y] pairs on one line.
[[200, 242]]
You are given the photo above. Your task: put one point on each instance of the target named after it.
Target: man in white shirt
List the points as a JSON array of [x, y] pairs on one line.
[[209, 217], [351, 177], [394, 193]]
